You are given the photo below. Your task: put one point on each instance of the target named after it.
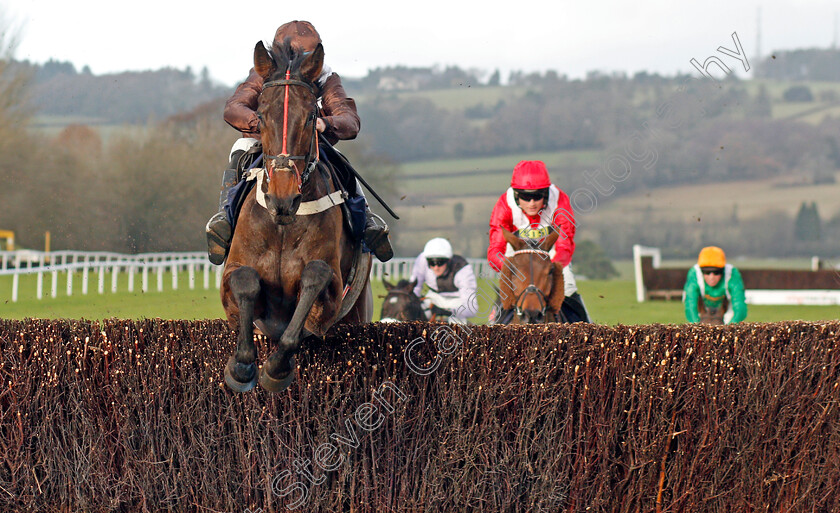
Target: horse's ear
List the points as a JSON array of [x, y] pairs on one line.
[[264, 64], [548, 242], [313, 64], [412, 284], [513, 240], [388, 285]]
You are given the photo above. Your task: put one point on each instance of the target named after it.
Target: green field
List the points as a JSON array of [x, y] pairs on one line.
[[716, 201], [609, 302]]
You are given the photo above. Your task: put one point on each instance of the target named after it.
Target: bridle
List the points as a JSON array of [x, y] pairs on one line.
[[531, 288], [284, 160]]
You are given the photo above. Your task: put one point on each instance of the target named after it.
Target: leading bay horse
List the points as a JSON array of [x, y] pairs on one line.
[[530, 283], [293, 268]]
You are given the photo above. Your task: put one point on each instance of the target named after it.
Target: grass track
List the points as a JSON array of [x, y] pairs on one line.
[[609, 302]]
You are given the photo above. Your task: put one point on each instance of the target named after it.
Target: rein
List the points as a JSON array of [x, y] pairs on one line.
[[284, 160]]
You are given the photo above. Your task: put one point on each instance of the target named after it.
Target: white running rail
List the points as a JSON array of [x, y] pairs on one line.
[[63, 266]]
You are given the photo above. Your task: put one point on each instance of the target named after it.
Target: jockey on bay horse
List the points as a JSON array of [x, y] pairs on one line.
[[450, 279], [338, 121], [295, 267], [531, 208]]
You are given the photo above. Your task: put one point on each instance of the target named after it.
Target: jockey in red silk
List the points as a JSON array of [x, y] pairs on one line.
[[530, 208]]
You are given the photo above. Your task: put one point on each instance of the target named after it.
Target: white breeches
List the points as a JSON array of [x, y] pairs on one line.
[[244, 144]]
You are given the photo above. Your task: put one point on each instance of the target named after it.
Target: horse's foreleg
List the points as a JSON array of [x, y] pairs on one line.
[[278, 371], [241, 369]]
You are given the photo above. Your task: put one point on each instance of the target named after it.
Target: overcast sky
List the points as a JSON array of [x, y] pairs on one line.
[[569, 37]]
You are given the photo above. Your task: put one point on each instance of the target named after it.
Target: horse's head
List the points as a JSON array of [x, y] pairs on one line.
[[531, 283], [287, 113], [400, 303]]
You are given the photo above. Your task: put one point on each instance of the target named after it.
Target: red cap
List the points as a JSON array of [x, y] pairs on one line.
[[530, 175]]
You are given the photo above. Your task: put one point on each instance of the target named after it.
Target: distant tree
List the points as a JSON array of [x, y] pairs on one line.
[[591, 261], [19, 153], [733, 217], [761, 106], [205, 78], [495, 79], [53, 68], [458, 212], [798, 93], [807, 225]]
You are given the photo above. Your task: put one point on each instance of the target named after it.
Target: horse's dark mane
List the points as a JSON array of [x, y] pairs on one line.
[[286, 56]]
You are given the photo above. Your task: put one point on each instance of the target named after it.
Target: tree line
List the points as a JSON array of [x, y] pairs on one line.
[[153, 189]]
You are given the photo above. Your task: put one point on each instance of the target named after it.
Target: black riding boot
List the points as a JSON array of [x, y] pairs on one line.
[[574, 310], [219, 231], [376, 236]]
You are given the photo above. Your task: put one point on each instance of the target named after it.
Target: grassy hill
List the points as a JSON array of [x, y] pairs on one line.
[[752, 198]]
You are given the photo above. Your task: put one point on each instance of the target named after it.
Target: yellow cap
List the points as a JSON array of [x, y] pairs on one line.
[[711, 256]]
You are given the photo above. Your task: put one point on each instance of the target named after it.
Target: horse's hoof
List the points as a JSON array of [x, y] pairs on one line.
[[239, 376], [278, 385]]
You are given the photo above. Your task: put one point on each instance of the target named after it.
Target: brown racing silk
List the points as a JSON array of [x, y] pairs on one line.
[[338, 111]]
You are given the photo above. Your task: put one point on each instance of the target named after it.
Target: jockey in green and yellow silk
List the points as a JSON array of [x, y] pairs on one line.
[[714, 290]]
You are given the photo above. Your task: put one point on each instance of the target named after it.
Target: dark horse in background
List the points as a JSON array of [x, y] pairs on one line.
[[400, 303], [531, 285], [294, 268]]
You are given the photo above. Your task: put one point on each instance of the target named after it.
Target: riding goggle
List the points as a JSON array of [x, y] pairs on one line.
[[531, 195], [437, 262], [716, 272]]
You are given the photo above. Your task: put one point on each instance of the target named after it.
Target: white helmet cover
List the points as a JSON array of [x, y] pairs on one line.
[[438, 247]]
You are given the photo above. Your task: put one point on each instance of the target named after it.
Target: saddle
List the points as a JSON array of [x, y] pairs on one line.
[[712, 316], [330, 162]]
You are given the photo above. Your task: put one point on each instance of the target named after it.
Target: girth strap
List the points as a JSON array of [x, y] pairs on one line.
[[307, 207], [323, 203]]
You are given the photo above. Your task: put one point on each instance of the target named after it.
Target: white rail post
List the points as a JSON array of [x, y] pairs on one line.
[[85, 276], [219, 276], [191, 274], [40, 287], [54, 283], [70, 272], [15, 283], [145, 285], [101, 286], [174, 269], [160, 278], [131, 272], [206, 275], [115, 273]]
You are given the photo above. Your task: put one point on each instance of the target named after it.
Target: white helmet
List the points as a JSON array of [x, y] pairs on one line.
[[438, 247]]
